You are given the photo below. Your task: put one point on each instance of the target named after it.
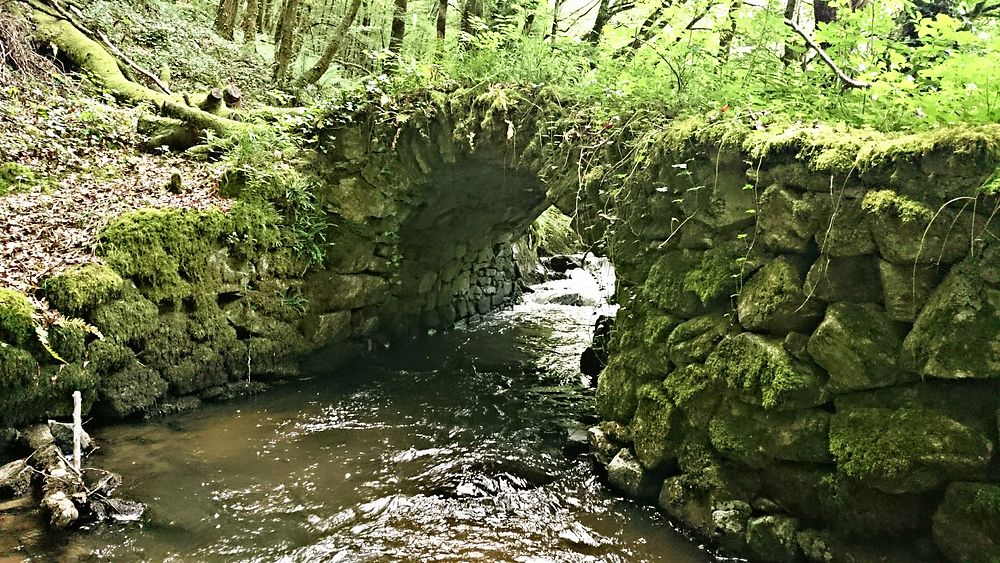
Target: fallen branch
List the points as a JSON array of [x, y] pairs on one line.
[[846, 80]]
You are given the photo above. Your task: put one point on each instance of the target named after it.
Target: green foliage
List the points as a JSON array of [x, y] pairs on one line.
[[553, 234]]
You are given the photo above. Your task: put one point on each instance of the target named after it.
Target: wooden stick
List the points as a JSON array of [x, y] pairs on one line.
[[846, 80], [77, 428]]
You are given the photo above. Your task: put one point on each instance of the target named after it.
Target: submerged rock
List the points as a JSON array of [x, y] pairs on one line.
[[627, 474]]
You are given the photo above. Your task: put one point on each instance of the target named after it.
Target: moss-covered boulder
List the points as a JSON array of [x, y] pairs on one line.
[[858, 345], [106, 356], [204, 368], [130, 390], [787, 220], [16, 318], [761, 372], [618, 383], [129, 319], [854, 279], [655, 428], [80, 289], [773, 300], [68, 340], [756, 437], [845, 229], [627, 474], [967, 523], [773, 538], [695, 391], [859, 511], [908, 232], [29, 391], [906, 450], [692, 341], [906, 288], [665, 285], [957, 335]]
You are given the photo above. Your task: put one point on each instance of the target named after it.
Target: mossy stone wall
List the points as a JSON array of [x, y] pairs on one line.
[[806, 363], [191, 306]]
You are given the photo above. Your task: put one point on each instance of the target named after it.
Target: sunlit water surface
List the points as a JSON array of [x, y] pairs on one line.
[[447, 448]]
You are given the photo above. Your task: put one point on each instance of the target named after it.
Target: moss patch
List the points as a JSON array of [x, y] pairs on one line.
[[81, 288], [887, 201], [16, 317], [906, 450], [763, 373]]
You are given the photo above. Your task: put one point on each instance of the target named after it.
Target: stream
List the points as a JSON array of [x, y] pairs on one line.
[[450, 447]]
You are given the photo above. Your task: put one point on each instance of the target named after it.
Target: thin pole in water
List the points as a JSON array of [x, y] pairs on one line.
[[77, 428]]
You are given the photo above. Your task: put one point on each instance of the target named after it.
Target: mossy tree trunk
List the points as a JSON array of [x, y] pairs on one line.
[[442, 19], [250, 17], [286, 40], [314, 74], [225, 18], [104, 69], [397, 31]]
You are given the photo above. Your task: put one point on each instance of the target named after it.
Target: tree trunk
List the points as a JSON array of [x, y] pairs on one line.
[[442, 19], [648, 28], [603, 15], [398, 29], [314, 74], [225, 18], [279, 23], [727, 36], [250, 21], [556, 8], [283, 55]]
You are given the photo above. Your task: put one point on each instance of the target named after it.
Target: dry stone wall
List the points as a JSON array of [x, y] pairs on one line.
[[806, 364]]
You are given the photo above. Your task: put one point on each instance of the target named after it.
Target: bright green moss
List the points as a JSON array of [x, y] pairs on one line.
[[887, 201], [128, 319], [820, 148], [16, 317], [67, 339], [81, 288], [715, 276], [968, 143], [106, 356], [905, 450], [765, 374], [30, 392], [654, 429], [166, 251], [15, 178]]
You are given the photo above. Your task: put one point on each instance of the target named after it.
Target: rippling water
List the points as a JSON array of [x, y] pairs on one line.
[[448, 448]]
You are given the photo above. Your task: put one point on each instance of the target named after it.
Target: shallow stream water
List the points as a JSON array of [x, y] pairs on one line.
[[451, 447]]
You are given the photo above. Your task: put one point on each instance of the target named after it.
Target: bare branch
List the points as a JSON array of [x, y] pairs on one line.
[[844, 79]]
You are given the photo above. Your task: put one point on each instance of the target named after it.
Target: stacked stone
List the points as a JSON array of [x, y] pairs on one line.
[[821, 382]]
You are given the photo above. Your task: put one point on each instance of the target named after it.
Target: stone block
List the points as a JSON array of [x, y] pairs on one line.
[[957, 335], [773, 300], [854, 279], [627, 474], [906, 288], [773, 538], [655, 428], [845, 230], [858, 345], [787, 220], [967, 523], [906, 450], [692, 341], [759, 371], [756, 437]]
